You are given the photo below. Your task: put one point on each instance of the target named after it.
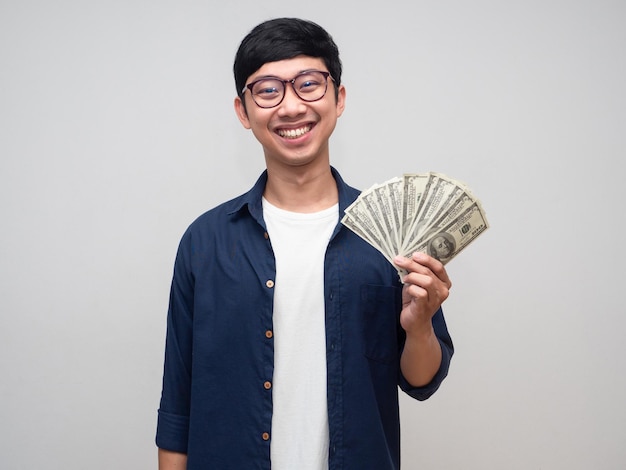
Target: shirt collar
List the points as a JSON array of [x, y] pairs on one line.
[[253, 198]]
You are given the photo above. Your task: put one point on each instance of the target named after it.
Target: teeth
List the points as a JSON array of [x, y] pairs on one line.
[[293, 133]]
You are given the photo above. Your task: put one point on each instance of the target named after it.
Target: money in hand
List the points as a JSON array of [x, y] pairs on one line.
[[426, 212]]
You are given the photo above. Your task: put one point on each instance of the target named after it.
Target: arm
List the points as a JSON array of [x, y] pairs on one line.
[[426, 287], [169, 460], [174, 409]]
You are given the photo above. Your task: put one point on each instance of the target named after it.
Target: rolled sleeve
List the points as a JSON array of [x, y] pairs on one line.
[[172, 432]]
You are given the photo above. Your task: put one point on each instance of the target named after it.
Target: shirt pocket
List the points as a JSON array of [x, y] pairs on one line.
[[381, 310]]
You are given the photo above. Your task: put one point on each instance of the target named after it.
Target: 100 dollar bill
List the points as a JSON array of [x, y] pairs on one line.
[[447, 242]]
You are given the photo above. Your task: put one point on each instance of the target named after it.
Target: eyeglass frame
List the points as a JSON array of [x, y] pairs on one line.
[[292, 81]]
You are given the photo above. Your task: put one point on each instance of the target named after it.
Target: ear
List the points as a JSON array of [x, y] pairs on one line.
[[341, 100], [242, 114]]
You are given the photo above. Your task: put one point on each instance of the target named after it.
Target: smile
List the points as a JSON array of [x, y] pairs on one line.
[[294, 133]]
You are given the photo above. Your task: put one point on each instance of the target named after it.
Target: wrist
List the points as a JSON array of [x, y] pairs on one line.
[[420, 331]]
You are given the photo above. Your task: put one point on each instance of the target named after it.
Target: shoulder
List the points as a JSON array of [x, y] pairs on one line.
[[248, 203], [216, 218]]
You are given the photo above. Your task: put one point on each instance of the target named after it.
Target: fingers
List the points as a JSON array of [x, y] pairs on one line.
[[419, 293], [427, 280], [425, 265], [427, 289]]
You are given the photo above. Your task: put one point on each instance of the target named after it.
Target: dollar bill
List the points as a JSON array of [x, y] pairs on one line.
[[382, 198], [414, 187], [359, 218], [447, 242], [436, 193], [458, 201]]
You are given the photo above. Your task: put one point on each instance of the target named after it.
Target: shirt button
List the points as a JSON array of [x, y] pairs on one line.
[[269, 283], [266, 436], [267, 385], [266, 235], [269, 334]]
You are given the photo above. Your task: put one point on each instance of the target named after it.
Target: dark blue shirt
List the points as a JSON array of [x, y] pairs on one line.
[[216, 404]]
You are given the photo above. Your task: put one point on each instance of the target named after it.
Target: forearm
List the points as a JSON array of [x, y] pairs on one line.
[[421, 357], [169, 460]]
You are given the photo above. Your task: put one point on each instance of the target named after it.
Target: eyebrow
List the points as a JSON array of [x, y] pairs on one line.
[[261, 77]]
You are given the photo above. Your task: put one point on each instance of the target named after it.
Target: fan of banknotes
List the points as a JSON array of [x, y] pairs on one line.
[[426, 212]]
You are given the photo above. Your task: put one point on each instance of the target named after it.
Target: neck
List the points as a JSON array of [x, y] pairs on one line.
[[301, 190]]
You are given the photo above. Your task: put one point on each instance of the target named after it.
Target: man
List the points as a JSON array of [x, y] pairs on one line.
[[287, 334]]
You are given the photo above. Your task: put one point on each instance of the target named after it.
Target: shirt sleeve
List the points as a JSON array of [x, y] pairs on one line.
[[447, 350], [173, 415]]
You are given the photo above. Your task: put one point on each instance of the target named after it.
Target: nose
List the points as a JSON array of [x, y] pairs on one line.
[[291, 105]]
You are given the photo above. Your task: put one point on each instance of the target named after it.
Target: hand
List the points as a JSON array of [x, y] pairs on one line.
[[426, 287]]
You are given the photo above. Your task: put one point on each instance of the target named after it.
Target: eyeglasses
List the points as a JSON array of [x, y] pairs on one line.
[[268, 92]]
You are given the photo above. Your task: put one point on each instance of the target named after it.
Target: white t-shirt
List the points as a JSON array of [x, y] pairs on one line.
[[299, 437]]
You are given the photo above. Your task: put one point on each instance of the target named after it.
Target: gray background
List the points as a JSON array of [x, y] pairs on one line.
[[117, 130]]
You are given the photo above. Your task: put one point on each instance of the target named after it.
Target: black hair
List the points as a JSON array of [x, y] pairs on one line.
[[281, 39]]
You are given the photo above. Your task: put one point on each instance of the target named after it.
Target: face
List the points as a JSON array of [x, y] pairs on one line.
[[296, 132], [441, 247]]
